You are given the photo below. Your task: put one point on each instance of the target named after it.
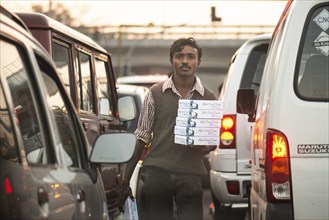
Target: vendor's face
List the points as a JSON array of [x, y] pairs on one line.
[[185, 62]]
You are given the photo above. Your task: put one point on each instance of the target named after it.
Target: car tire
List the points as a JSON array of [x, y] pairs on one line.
[[220, 211], [225, 212]]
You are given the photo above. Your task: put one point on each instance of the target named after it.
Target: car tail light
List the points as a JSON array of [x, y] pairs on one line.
[[8, 186], [278, 181], [227, 132], [233, 187]]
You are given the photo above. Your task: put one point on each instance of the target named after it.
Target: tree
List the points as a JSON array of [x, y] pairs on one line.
[[61, 14], [56, 11]]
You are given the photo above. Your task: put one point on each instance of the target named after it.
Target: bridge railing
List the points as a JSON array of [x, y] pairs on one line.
[[216, 31]]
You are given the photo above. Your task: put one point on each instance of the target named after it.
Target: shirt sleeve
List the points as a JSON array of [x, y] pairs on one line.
[[146, 120]]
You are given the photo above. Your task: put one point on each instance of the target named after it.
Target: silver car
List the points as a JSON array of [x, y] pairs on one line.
[[47, 171]]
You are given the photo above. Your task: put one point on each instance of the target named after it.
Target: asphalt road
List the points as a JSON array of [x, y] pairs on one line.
[[206, 202], [207, 215], [235, 215]]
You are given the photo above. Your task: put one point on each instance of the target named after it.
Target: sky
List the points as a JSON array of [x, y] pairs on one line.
[[169, 12]]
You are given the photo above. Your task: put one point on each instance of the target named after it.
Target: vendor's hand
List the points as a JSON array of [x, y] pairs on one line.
[[125, 192]]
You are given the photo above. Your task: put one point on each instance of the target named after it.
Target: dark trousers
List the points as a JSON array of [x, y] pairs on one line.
[[161, 189]]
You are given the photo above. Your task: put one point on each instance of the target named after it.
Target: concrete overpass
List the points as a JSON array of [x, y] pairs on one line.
[[151, 56], [145, 49]]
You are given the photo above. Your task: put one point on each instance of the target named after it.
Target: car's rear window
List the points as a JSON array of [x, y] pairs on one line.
[[312, 72], [253, 71]]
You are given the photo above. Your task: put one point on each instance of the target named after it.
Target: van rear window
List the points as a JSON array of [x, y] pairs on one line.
[[253, 71], [312, 75]]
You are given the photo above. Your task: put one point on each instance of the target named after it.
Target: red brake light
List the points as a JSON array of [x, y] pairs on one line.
[[227, 132], [233, 187], [277, 169], [8, 186]]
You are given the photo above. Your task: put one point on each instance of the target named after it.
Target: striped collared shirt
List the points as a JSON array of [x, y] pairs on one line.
[[146, 119]]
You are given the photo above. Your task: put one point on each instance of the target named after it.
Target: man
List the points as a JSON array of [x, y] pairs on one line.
[[172, 172]]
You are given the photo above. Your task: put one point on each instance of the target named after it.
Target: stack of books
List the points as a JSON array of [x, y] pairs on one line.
[[198, 122]]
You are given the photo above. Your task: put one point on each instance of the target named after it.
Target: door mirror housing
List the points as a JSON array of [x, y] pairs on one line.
[[113, 148]]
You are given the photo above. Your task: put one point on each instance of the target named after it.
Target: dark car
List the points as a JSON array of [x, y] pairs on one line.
[[83, 65], [46, 171]]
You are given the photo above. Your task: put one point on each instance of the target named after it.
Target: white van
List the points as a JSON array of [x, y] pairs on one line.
[[229, 163], [290, 137]]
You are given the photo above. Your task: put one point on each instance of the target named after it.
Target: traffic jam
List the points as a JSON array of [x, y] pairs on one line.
[[77, 141]]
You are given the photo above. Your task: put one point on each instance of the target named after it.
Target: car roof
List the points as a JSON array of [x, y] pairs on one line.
[[146, 80], [12, 16], [34, 20], [131, 89]]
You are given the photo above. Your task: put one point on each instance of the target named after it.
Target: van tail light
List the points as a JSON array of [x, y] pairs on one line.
[[278, 178], [227, 132]]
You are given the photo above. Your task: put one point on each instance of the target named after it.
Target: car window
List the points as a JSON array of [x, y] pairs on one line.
[[85, 90], [65, 125], [62, 56], [8, 144], [312, 72], [254, 68], [20, 88], [102, 83]]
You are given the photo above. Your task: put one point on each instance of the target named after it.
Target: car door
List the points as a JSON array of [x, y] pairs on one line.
[[251, 77], [87, 95], [84, 180], [28, 166]]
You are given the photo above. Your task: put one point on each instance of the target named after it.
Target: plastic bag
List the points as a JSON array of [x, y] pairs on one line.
[[130, 209]]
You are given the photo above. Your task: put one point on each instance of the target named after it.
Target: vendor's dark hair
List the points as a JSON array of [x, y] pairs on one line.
[[181, 42]]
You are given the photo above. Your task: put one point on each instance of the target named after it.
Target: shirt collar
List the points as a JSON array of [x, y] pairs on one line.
[[169, 84]]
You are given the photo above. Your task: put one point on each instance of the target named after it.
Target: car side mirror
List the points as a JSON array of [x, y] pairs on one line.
[[113, 148], [246, 103], [127, 108]]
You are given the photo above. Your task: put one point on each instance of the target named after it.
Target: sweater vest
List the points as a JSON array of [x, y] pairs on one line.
[[164, 153]]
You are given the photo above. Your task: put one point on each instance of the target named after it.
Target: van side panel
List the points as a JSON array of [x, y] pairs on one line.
[[86, 63], [304, 123]]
